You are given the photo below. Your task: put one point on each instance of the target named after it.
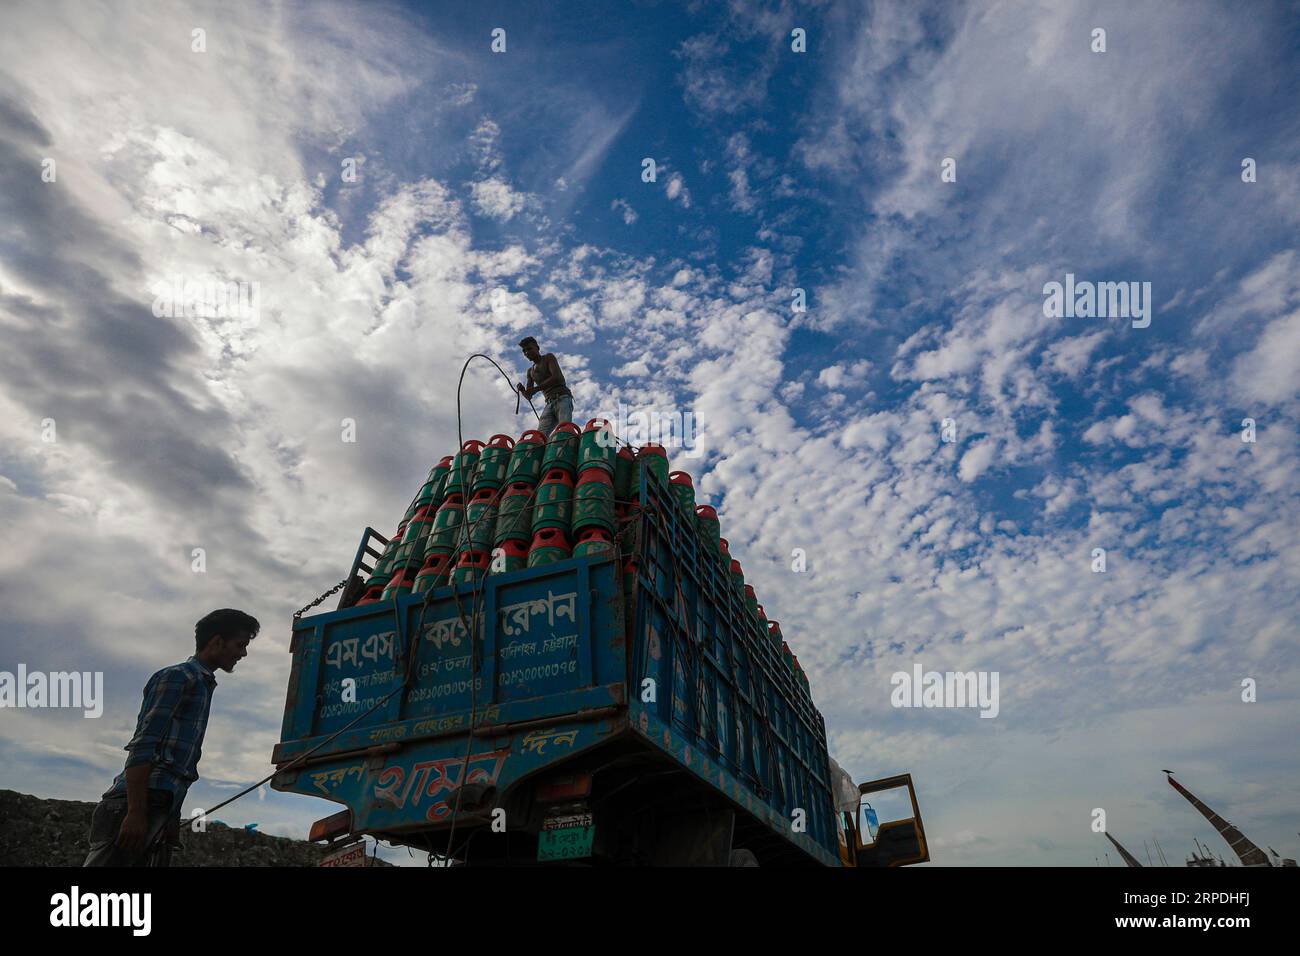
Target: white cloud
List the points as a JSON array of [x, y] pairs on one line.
[[1270, 372], [1070, 356], [496, 199], [485, 144], [915, 83], [977, 460], [637, 368], [629, 214], [461, 94], [676, 190], [840, 375], [741, 157]]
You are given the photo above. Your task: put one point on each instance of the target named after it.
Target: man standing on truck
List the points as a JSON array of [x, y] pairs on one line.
[[544, 376], [163, 755]]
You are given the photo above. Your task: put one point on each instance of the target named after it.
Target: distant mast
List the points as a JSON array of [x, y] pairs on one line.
[[1249, 854], [1128, 857]]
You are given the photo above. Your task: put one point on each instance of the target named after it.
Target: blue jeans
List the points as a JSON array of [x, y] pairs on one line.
[[557, 410]]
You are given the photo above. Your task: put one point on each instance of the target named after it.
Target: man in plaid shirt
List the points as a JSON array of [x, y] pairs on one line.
[[163, 755]]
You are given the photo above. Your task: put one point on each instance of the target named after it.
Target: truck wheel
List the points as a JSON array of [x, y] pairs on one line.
[[743, 858]]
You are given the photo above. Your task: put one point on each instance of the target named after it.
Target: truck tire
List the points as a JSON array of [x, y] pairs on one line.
[[743, 858]]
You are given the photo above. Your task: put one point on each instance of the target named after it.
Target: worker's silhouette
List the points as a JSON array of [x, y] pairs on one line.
[[140, 812], [544, 376]]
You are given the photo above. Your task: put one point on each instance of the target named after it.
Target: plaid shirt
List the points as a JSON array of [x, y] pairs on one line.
[[169, 730]]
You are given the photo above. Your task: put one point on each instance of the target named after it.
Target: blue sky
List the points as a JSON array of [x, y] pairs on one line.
[[500, 194]]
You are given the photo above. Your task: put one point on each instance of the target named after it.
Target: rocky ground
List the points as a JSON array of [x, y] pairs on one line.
[[37, 832]]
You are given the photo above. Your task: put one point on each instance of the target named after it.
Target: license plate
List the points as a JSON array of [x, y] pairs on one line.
[[354, 855], [566, 837]]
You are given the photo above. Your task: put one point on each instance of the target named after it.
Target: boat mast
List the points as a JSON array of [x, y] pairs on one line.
[[1128, 857], [1249, 854]]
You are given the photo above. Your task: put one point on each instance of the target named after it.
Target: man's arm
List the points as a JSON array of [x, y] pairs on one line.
[[529, 390], [135, 825]]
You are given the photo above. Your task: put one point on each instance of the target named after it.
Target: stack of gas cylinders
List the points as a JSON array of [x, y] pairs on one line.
[[509, 504], [504, 505], [714, 547]]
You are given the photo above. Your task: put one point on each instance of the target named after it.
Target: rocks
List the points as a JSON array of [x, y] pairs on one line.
[[37, 832]]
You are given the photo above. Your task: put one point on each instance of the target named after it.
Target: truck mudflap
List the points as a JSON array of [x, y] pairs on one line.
[[413, 787], [644, 722]]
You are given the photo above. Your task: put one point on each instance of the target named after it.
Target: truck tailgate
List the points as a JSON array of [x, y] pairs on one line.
[[552, 657]]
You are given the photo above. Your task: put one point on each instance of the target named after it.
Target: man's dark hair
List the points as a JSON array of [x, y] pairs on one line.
[[226, 622], [524, 343]]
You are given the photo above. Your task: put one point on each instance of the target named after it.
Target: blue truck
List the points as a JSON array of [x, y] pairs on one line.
[[613, 709]]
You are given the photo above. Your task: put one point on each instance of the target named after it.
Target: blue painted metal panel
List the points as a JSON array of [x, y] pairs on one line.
[[556, 641], [725, 697], [413, 789], [542, 622], [551, 644]]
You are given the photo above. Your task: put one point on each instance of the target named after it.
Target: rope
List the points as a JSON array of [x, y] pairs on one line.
[[460, 438]]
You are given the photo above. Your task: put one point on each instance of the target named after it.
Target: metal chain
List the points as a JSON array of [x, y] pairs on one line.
[[334, 590]]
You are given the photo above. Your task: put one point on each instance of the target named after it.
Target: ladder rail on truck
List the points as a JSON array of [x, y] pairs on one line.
[[645, 709]]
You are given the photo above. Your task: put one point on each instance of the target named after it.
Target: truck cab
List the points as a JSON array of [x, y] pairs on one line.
[[865, 842]]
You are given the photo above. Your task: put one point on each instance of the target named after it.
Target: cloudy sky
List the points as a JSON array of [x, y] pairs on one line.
[[502, 194]]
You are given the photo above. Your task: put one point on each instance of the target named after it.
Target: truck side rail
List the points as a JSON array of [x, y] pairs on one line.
[[720, 684]]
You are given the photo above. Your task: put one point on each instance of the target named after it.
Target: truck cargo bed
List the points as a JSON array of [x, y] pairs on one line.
[[645, 672]]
